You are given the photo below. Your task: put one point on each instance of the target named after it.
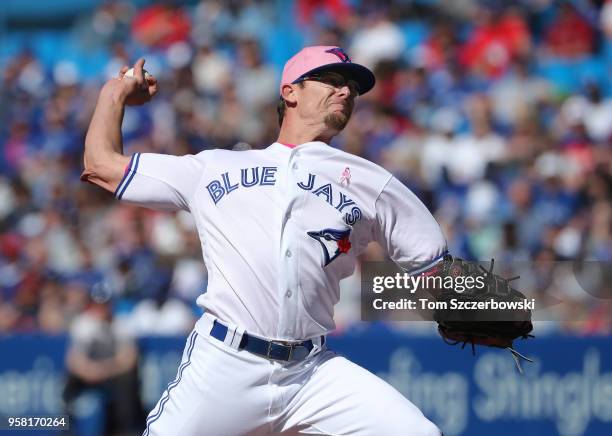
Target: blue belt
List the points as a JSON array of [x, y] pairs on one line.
[[275, 350]]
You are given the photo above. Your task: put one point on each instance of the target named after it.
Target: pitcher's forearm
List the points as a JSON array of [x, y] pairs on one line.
[[104, 133], [103, 158]]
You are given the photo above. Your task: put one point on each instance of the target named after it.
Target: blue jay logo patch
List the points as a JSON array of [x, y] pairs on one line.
[[340, 53], [334, 242]]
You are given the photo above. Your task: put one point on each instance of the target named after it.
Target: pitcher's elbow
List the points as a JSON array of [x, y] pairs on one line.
[[98, 175]]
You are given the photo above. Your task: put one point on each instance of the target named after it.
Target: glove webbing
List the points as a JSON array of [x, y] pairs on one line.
[[515, 354]]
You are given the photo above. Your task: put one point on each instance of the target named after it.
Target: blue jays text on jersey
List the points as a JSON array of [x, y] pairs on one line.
[[327, 191], [262, 176]]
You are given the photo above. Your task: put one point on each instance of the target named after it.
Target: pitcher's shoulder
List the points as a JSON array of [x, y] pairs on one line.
[[225, 156], [362, 164]]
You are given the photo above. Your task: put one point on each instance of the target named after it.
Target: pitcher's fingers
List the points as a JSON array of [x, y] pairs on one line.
[[123, 70], [152, 89], [138, 73]]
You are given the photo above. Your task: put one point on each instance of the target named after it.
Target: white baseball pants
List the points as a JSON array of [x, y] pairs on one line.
[[221, 391]]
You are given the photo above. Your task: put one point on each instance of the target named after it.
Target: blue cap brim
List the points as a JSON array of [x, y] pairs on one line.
[[362, 75]]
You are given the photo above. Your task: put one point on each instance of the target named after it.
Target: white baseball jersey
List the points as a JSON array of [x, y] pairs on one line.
[[280, 227]]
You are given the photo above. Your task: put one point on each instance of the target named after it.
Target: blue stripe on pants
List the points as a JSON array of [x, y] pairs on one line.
[[166, 396]]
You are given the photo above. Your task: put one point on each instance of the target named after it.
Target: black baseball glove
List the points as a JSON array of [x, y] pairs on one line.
[[470, 316]]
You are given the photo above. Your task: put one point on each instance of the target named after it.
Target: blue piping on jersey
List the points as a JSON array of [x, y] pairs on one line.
[[128, 176]]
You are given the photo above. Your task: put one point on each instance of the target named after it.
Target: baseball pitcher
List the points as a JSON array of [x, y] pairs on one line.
[[280, 227]]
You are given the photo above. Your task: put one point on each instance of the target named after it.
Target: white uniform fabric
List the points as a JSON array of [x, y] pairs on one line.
[[280, 227], [254, 211], [220, 391]]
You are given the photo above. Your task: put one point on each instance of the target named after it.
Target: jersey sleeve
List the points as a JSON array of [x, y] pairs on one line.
[[162, 182], [406, 229]]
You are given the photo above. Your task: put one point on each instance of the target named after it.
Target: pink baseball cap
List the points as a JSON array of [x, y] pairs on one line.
[[313, 59]]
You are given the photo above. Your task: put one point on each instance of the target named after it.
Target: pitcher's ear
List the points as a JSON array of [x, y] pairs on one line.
[[288, 94]]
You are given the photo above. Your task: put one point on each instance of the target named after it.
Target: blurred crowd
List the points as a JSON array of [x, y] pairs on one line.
[[498, 115]]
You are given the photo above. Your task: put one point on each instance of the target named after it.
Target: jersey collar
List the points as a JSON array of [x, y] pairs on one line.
[[289, 148]]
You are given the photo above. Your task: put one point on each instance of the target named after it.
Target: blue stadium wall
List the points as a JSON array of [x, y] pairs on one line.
[[567, 391]]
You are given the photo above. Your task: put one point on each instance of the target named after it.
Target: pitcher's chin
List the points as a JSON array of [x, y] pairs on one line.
[[337, 120]]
